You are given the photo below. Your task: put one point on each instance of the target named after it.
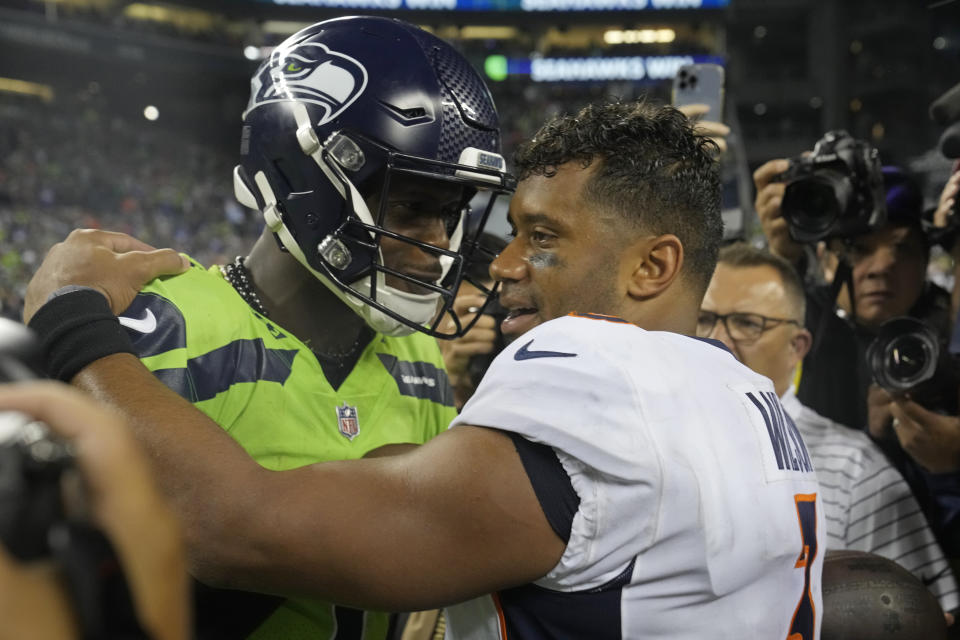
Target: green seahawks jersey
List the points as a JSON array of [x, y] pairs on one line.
[[267, 390]]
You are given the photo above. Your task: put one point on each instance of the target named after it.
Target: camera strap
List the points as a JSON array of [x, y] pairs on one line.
[[843, 275]]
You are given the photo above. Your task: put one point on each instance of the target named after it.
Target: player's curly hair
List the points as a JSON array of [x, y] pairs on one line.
[[652, 169]]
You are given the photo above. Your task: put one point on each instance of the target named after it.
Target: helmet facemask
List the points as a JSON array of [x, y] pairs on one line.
[[419, 301], [350, 259]]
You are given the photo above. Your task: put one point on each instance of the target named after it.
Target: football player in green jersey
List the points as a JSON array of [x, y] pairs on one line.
[[364, 142]]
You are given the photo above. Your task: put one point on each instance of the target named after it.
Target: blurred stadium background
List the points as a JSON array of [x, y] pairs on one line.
[[125, 115]]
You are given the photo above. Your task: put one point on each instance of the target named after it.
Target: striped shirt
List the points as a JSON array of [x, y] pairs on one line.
[[868, 504]]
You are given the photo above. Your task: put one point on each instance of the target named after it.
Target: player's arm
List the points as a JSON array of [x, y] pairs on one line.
[[452, 519]]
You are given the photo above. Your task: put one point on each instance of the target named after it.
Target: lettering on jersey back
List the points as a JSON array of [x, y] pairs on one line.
[[788, 447]]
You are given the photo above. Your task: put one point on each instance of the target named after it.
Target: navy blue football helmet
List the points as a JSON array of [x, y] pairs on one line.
[[340, 111]]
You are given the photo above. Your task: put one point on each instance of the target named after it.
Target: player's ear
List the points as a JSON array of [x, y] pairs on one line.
[[653, 262]]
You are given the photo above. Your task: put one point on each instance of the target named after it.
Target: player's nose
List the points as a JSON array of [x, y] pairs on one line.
[[509, 265], [434, 232]]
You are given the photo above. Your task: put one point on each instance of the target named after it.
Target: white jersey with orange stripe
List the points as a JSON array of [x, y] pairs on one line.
[[698, 511]]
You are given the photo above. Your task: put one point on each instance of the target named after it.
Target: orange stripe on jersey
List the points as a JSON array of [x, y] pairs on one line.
[[598, 316], [803, 562], [503, 621], [805, 553]]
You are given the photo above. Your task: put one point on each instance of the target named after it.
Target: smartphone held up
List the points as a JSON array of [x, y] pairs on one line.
[[700, 84]]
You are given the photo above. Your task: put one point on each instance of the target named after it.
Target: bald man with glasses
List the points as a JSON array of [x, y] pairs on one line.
[[755, 306]]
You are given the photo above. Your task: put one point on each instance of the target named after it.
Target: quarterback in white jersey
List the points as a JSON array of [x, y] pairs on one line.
[[696, 494]]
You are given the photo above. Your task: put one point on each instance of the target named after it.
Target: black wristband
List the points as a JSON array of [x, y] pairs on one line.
[[75, 329]]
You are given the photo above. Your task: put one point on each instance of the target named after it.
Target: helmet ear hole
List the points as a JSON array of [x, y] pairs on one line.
[[290, 173], [243, 189]]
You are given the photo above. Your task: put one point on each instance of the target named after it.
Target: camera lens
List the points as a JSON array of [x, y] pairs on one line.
[[813, 204], [906, 358], [904, 354]]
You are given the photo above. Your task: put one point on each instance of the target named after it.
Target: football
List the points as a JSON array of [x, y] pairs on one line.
[[868, 597]]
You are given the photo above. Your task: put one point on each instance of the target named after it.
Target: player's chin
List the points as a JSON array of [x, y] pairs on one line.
[[519, 321]]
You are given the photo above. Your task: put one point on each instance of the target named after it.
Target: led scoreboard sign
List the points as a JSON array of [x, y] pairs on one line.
[[595, 69], [509, 5]]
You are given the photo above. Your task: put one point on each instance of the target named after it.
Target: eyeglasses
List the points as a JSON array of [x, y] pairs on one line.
[[740, 326]]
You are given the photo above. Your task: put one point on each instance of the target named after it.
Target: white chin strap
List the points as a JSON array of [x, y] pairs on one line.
[[418, 308]]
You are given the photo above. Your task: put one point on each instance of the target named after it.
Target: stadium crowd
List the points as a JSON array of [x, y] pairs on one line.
[[69, 165]]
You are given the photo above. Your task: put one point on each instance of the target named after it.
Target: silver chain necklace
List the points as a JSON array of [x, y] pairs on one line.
[[238, 276]]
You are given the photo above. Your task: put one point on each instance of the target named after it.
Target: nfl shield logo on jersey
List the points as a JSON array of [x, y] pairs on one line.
[[347, 419]]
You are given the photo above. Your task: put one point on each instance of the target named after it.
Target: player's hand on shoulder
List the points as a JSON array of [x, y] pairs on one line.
[[115, 264], [767, 203]]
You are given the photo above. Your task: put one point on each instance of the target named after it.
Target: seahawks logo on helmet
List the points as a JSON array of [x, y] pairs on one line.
[[310, 73]]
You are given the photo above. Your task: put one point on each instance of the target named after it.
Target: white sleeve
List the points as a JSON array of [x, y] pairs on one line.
[[576, 403], [585, 408]]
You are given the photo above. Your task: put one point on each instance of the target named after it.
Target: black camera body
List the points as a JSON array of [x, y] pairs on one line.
[[32, 463], [835, 192], [32, 460], [907, 357]]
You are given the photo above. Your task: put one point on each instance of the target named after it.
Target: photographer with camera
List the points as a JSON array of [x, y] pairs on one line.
[[59, 577], [869, 219]]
